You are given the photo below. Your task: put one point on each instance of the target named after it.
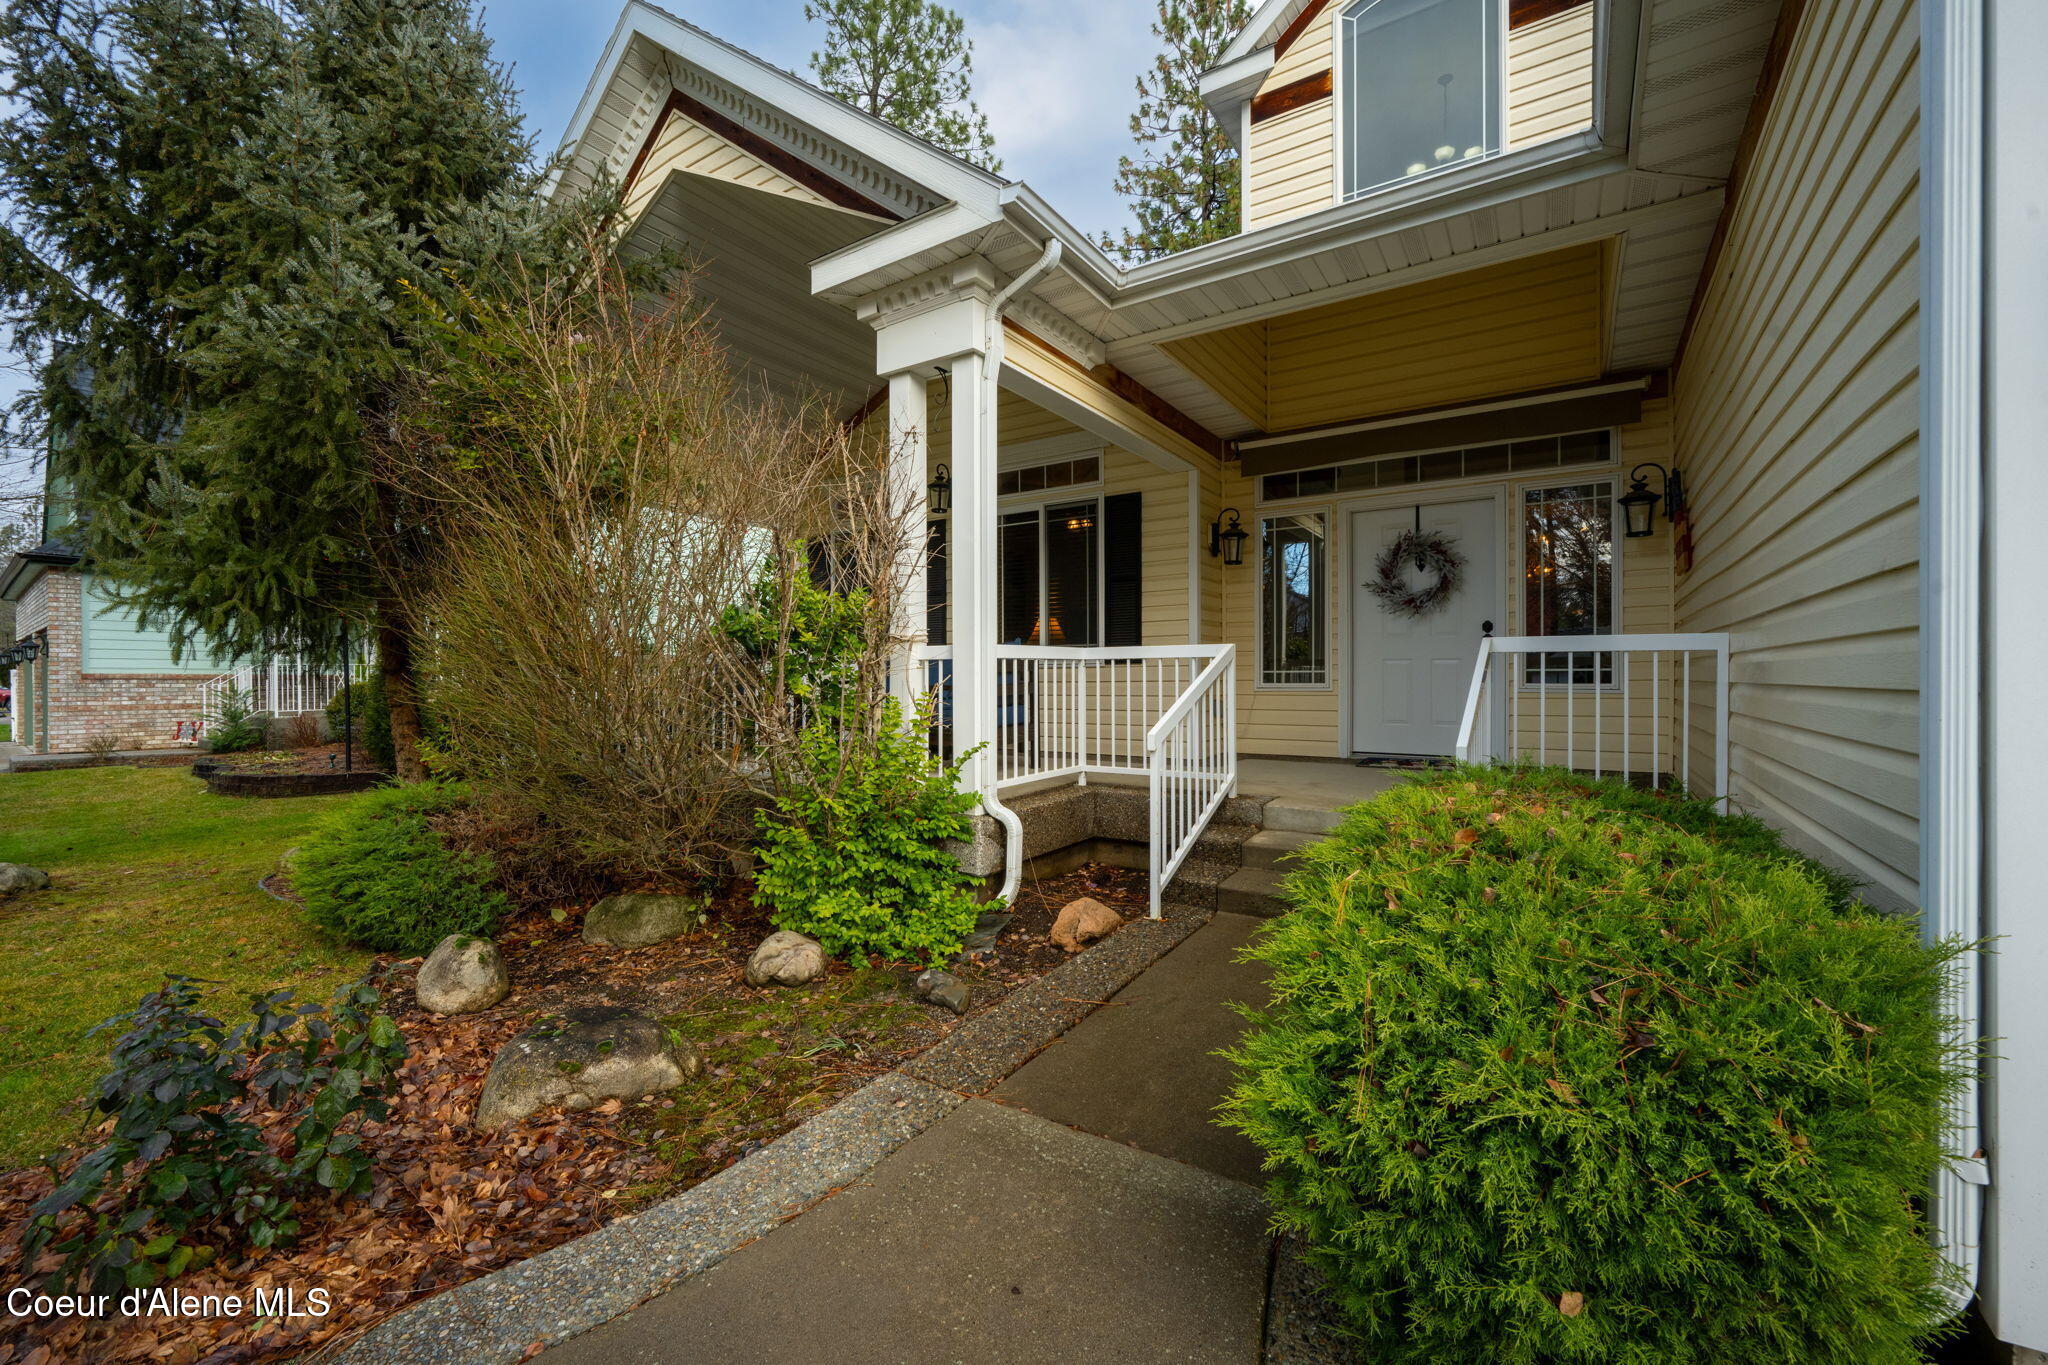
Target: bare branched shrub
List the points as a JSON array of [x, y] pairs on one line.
[[608, 490]]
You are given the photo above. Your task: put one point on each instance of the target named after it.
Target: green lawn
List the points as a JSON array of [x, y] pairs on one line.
[[152, 874]]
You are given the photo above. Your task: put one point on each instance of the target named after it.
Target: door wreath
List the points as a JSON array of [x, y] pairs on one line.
[[1430, 551]]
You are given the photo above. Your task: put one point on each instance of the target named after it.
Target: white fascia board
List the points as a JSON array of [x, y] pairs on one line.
[[1263, 30], [945, 176], [1527, 173], [846, 274], [601, 78], [1227, 88]]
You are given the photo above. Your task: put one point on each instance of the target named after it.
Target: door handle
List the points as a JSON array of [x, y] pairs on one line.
[[1486, 627]]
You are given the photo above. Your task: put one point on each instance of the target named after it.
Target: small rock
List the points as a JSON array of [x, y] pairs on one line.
[[1082, 922], [18, 877], [943, 988], [640, 920], [462, 975], [786, 959], [580, 1058], [987, 930]]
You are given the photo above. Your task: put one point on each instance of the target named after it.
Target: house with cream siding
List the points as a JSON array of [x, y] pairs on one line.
[[1613, 383]]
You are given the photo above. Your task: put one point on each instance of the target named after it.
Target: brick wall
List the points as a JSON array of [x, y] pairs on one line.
[[140, 710]]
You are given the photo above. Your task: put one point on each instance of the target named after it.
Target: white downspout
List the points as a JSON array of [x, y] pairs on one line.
[[991, 377], [1951, 580]]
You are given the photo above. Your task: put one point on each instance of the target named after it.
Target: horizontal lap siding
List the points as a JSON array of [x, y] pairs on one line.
[[685, 145], [1798, 433], [1550, 77], [1290, 167], [115, 642], [1500, 329]]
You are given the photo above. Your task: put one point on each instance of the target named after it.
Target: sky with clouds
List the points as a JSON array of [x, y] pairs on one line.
[[1055, 77]]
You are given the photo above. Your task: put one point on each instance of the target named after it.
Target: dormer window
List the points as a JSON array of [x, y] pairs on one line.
[[1420, 88]]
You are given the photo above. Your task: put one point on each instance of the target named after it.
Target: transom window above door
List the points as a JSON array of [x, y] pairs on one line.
[[1419, 88]]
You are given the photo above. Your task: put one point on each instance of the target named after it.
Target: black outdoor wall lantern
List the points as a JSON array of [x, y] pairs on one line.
[[1639, 504], [1228, 541], [942, 492]]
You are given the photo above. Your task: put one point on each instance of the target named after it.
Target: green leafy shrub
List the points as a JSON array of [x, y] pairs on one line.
[[232, 728], [1558, 1071], [377, 873], [184, 1173], [364, 702], [853, 853]]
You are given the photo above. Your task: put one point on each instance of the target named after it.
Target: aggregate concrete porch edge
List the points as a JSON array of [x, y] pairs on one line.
[[582, 1284]]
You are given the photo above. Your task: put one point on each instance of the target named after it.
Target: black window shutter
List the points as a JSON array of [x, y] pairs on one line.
[[1123, 569]]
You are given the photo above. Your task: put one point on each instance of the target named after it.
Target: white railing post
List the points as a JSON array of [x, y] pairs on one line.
[[1508, 654]]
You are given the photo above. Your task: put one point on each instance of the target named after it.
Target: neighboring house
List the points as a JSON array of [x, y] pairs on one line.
[[1500, 258], [84, 670]]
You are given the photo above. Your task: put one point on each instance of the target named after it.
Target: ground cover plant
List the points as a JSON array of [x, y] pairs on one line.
[[150, 871], [1558, 1071], [448, 1203], [377, 873]]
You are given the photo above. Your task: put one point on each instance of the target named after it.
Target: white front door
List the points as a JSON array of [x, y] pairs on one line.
[[1409, 674]]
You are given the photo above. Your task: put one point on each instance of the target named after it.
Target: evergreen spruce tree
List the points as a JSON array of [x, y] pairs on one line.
[[1184, 181], [909, 63], [222, 214]]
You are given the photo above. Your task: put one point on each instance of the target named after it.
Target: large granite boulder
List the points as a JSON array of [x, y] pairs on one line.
[[786, 959], [580, 1058], [1083, 921], [637, 919], [17, 877], [462, 975]]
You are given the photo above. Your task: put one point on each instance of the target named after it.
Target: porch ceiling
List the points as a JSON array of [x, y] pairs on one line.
[[752, 250], [1522, 325]]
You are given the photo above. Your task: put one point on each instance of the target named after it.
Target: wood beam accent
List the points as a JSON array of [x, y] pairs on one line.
[[855, 420], [1129, 390], [1298, 27], [751, 142], [1524, 12], [1291, 96]]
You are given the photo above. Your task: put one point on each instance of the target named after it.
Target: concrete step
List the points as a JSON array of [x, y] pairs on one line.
[[1298, 816], [1252, 891], [1271, 847]]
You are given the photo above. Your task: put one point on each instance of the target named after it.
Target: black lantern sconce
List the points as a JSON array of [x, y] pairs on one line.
[[942, 492], [1228, 541], [1639, 504]]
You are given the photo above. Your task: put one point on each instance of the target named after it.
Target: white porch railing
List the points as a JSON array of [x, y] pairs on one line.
[[1644, 707], [1166, 711], [282, 687]]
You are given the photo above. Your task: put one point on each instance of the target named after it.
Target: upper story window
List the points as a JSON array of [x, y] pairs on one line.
[[1419, 88]]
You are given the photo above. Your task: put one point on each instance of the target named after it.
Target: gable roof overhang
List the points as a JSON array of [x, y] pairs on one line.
[[1571, 189], [24, 567]]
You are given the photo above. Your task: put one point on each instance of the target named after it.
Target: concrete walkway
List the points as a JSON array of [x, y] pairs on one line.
[[1086, 1209]]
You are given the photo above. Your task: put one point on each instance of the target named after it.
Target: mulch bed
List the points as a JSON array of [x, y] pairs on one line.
[[451, 1203], [315, 758]]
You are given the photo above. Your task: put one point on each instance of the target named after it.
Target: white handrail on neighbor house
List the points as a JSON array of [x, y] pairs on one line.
[[1167, 711], [1191, 755], [283, 687], [1599, 703]]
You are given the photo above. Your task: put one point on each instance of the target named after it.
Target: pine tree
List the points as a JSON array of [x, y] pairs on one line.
[[907, 62], [223, 212], [1184, 181]]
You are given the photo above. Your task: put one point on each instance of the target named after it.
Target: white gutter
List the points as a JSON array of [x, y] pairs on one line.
[[1951, 575], [985, 414]]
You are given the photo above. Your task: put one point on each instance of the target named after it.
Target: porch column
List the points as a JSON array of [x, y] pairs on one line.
[[907, 478], [932, 325], [972, 571]]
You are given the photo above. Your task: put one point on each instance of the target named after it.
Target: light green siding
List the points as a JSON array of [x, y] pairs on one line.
[[115, 643]]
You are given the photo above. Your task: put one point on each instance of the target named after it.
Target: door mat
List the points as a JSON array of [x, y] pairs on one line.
[[1405, 763]]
